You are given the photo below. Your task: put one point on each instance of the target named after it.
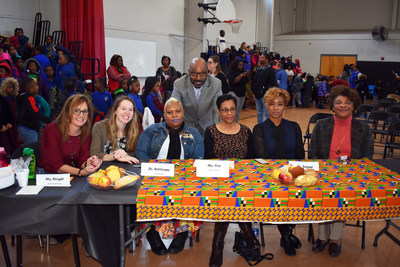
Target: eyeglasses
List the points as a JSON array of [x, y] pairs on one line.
[[195, 74], [227, 110], [347, 103], [77, 111]]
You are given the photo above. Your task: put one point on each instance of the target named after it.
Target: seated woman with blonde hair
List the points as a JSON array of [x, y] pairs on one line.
[[116, 138]]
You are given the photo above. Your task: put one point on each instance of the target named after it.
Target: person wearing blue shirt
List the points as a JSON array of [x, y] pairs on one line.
[[40, 56], [64, 70], [134, 87], [102, 99], [281, 76], [150, 98], [354, 76], [49, 77]]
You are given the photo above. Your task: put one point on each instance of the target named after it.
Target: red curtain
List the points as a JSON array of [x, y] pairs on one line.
[[84, 21]]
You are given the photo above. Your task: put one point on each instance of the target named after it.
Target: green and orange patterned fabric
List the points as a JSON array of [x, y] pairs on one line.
[[360, 190]]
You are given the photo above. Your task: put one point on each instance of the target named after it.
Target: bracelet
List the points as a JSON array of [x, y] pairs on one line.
[[79, 172]]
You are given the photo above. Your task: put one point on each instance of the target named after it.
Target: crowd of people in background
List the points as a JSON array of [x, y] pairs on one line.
[[44, 93]]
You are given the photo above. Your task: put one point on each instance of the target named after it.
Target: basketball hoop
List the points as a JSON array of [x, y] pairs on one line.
[[235, 24]]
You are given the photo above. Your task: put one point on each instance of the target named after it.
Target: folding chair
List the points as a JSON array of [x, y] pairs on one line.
[[365, 110], [395, 110], [390, 142], [384, 104], [313, 120], [378, 120]]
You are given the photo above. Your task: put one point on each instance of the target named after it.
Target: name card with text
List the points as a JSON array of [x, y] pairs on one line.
[[212, 168], [306, 165], [53, 179], [157, 169]]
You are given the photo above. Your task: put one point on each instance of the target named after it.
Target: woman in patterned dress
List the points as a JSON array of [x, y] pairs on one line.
[[225, 140]]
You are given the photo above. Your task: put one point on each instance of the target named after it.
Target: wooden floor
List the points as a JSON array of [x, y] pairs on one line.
[[387, 253]]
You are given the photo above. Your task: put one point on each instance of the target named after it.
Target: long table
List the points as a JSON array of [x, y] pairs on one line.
[[86, 211], [359, 190], [98, 216]]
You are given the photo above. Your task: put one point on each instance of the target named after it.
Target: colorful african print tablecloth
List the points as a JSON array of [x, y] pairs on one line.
[[360, 190]]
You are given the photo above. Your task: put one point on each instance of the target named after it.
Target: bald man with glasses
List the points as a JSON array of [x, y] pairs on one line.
[[198, 92]]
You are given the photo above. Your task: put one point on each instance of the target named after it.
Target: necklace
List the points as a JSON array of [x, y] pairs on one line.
[[73, 150], [341, 142]]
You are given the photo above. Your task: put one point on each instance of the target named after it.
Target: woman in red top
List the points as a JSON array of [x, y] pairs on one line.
[[116, 72], [66, 141]]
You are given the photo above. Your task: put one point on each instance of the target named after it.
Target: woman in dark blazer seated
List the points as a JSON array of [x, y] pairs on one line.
[[334, 137], [277, 138]]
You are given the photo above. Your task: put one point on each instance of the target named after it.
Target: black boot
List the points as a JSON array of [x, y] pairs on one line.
[[218, 244], [287, 246], [287, 230], [248, 236], [178, 244], [156, 244]]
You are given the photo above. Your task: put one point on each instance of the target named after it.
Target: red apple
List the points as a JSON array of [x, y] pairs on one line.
[[285, 177], [104, 182]]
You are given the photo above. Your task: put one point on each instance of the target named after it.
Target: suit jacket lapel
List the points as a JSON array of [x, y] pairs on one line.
[[192, 96]]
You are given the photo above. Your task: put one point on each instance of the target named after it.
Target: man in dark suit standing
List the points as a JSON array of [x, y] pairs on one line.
[[264, 78], [198, 92]]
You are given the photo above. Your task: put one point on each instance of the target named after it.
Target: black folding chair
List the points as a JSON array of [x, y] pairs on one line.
[[395, 110], [364, 111], [313, 120], [390, 143], [378, 121], [384, 104]]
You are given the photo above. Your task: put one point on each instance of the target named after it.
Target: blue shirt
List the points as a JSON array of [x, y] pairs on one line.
[[43, 60], [102, 101], [138, 102], [281, 78]]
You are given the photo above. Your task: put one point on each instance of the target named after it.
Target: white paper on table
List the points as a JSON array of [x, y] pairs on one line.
[[306, 164], [212, 168], [30, 190]]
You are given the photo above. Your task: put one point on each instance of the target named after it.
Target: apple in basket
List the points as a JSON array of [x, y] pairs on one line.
[[104, 181], [285, 177], [94, 178]]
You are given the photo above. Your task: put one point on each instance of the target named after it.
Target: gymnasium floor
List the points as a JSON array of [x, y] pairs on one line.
[[386, 254]]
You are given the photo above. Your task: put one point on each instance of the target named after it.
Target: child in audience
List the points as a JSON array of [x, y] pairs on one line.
[[49, 48], [28, 114], [150, 98], [49, 77], [5, 71], [34, 70], [41, 57], [122, 90], [322, 93], [18, 66], [9, 90], [134, 86], [102, 99]]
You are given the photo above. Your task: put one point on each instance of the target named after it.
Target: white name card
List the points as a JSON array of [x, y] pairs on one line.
[[212, 168], [157, 169], [53, 179], [306, 165]]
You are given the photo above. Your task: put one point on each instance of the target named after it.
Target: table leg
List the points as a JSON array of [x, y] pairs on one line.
[[121, 235], [76, 250], [5, 251], [128, 227], [19, 251]]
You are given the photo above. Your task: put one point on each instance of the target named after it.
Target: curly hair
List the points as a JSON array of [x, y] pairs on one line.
[[343, 90], [131, 129], [6, 83], [275, 92], [114, 59], [64, 118]]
